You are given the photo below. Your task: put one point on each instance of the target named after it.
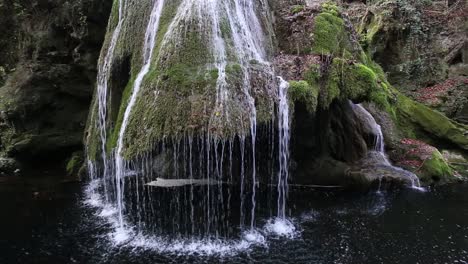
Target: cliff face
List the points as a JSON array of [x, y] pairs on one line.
[[423, 46], [48, 59]]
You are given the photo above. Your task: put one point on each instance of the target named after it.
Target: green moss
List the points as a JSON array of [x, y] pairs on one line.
[[225, 29], [234, 69], [329, 32], [331, 8], [74, 163], [297, 8], [303, 92], [356, 80], [92, 139], [331, 90], [418, 119], [436, 169], [368, 30]]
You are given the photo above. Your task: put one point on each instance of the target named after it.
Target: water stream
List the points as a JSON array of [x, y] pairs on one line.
[[104, 72], [379, 148]]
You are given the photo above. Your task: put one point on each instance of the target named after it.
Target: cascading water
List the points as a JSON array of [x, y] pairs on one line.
[[103, 77], [284, 136], [280, 225], [195, 200], [379, 147], [148, 48]]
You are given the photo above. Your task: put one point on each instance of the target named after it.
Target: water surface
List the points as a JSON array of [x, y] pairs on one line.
[[46, 221]]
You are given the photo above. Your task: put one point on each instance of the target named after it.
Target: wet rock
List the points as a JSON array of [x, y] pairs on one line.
[[9, 167], [426, 161], [457, 161], [47, 75]]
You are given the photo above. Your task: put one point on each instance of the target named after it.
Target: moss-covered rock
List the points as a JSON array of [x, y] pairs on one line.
[[303, 92], [416, 119], [48, 55], [330, 36], [436, 168], [426, 161], [74, 164], [192, 87]]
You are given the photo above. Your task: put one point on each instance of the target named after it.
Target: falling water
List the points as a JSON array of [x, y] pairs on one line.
[[248, 38], [150, 41], [199, 206], [379, 147], [103, 76], [284, 136], [280, 226]]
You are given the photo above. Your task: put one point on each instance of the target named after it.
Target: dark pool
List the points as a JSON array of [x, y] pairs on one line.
[[45, 221]]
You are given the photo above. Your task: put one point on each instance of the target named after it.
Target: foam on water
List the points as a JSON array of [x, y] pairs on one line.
[[108, 211], [281, 227], [204, 247], [254, 236], [122, 235]]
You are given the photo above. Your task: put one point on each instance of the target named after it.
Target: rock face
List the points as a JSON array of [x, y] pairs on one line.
[[330, 144], [422, 45], [48, 59]]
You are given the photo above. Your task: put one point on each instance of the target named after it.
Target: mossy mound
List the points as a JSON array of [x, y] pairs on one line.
[[426, 161], [417, 120], [330, 36], [303, 92], [193, 86]]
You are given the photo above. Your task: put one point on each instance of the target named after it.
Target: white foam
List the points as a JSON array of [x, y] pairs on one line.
[[253, 236], [204, 247], [92, 196], [120, 235], [123, 236], [281, 227], [420, 189], [108, 211]]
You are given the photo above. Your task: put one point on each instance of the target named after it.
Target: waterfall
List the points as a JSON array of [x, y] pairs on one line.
[[188, 185], [148, 48], [379, 146], [104, 71], [281, 226], [284, 136], [248, 38]]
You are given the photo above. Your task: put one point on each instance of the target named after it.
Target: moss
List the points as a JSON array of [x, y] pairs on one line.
[[225, 29], [303, 92], [416, 118], [356, 80], [368, 30], [329, 33], [178, 95], [92, 135], [436, 169], [331, 8], [347, 80], [74, 163], [297, 8], [331, 90], [234, 69]]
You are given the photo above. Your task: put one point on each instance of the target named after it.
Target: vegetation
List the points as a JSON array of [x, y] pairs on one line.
[[303, 92]]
